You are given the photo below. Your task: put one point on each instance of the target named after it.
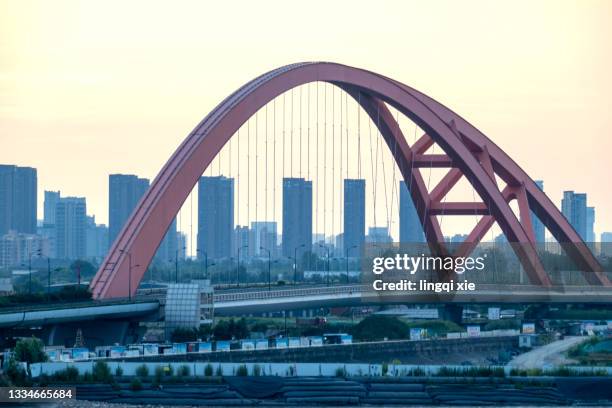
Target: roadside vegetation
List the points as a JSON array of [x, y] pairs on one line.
[[595, 351]]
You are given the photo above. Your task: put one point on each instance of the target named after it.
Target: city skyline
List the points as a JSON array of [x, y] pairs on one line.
[[76, 235], [89, 134]]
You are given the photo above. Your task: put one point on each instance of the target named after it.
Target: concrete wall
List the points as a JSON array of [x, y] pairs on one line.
[[444, 351]]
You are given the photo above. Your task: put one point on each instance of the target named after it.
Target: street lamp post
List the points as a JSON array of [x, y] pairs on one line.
[[327, 249], [48, 278], [211, 265], [129, 254], [30, 273], [176, 265], [269, 267], [205, 262], [295, 262], [238, 268], [347, 261]]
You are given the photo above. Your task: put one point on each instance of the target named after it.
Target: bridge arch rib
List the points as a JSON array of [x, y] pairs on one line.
[[467, 149]]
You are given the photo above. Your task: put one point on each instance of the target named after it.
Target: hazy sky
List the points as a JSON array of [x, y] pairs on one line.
[[91, 88]]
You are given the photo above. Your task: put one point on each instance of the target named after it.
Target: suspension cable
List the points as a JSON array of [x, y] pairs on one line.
[[333, 152]]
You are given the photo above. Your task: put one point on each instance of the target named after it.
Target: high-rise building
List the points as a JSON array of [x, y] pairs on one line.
[[71, 226], [354, 216], [49, 233], [297, 216], [590, 224], [574, 208], [538, 226], [18, 189], [124, 193], [51, 199], [606, 244], [410, 230], [263, 234], [181, 242], [97, 239], [215, 216], [379, 235], [241, 239], [168, 248]]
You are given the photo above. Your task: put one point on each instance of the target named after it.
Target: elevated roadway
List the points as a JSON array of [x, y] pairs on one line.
[[233, 301]]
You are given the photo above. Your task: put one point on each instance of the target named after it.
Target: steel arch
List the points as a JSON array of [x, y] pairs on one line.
[[468, 152]]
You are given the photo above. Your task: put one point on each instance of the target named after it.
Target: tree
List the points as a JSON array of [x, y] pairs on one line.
[[30, 351], [226, 330], [183, 334], [85, 269], [378, 327]]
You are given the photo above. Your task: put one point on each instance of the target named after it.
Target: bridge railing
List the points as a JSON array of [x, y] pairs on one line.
[[284, 293]]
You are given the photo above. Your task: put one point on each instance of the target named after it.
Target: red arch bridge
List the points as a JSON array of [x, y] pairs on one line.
[[467, 153]]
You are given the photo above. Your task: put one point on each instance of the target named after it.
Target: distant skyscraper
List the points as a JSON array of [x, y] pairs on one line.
[[124, 193], [297, 216], [590, 224], [167, 250], [379, 235], [215, 216], [51, 199], [71, 225], [354, 216], [97, 239], [241, 238], [606, 244], [18, 189], [263, 234], [574, 208], [181, 242], [538, 226], [410, 229]]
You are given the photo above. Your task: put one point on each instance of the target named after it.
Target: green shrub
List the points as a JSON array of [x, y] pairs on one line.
[[471, 372], [16, 374], [242, 371], [169, 370], [416, 372], [256, 370], [183, 371], [503, 324], [159, 374], [378, 327], [102, 373], [208, 370], [142, 370], [182, 335], [136, 385], [219, 371], [69, 374], [385, 369], [340, 372], [118, 371]]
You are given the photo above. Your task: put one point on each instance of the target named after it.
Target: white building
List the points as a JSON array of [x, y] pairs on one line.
[[16, 248]]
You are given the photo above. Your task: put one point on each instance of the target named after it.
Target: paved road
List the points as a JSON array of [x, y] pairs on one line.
[[548, 356]]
